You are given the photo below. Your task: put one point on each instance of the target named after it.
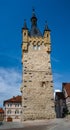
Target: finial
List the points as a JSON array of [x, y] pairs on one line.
[[33, 9], [33, 12], [46, 22]]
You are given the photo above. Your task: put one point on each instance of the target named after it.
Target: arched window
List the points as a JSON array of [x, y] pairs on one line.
[[9, 112], [35, 47], [38, 47], [16, 111], [24, 33]]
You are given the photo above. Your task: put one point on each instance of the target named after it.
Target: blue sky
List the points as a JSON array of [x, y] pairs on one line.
[[12, 15]]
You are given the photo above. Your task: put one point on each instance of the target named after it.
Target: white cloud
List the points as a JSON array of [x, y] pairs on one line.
[[10, 82]]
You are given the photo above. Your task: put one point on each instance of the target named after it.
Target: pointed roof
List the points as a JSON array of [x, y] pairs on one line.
[[46, 27], [34, 29], [25, 25], [34, 18], [33, 14]]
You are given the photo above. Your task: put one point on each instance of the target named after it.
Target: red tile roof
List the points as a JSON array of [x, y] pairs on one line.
[[67, 88], [17, 99], [1, 110]]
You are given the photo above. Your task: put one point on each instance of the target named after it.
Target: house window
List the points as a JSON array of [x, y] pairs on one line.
[[11, 105], [9, 112], [17, 105], [16, 111]]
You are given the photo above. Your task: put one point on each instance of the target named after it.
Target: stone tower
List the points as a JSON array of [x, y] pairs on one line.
[[37, 82]]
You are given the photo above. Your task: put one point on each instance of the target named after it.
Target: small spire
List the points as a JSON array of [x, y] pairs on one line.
[[46, 27], [25, 25], [33, 18], [34, 29]]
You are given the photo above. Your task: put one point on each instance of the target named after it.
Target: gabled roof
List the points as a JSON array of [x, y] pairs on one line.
[[1, 110], [66, 86], [17, 99]]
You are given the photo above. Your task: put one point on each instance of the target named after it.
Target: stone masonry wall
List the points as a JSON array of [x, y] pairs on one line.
[[38, 87]]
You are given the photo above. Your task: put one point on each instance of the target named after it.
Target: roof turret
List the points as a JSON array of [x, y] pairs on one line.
[[34, 29], [46, 27], [25, 25]]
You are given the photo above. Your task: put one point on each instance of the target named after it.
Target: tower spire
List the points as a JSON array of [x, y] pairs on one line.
[[46, 27], [33, 13], [34, 18], [25, 24], [34, 29]]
